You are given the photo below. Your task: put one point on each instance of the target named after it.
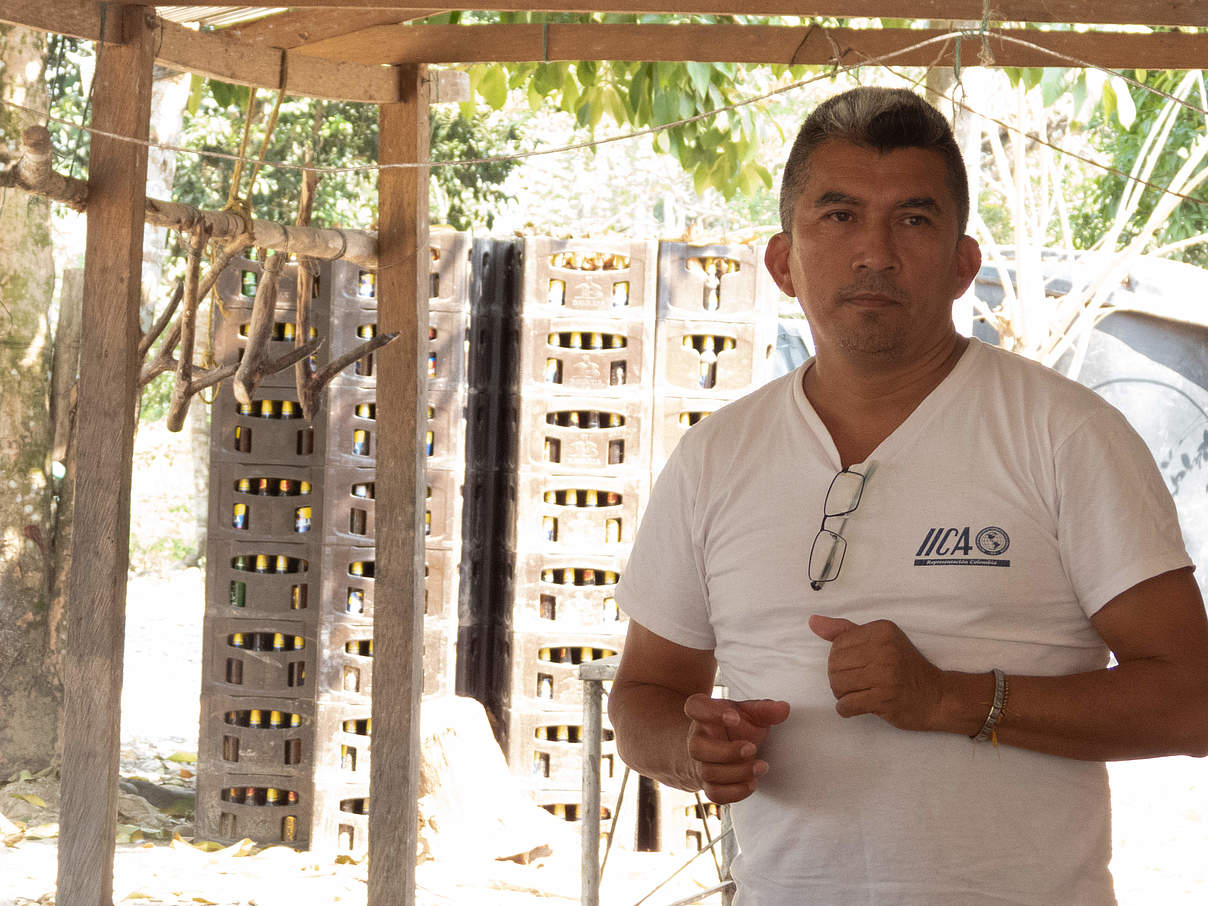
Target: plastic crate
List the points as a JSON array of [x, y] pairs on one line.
[[267, 808], [441, 583], [584, 434], [445, 438], [704, 357], [257, 734], [329, 818], [577, 355], [714, 282], [545, 750], [263, 579], [442, 508], [440, 657], [447, 342], [606, 278], [234, 325], [568, 513], [685, 824], [346, 669], [278, 658], [353, 286], [236, 286], [674, 415], [567, 592], [544, 672]]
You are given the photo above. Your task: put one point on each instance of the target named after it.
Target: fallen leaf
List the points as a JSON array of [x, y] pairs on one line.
[[43, 832], [136, 895], [20, 775], [31, 798], [183, 757], [204, 900], [186, 773]]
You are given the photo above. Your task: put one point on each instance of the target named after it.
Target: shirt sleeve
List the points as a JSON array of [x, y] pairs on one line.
[[663, 586], [1117, 523]]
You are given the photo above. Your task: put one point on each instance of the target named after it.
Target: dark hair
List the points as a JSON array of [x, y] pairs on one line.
[[883, 119]]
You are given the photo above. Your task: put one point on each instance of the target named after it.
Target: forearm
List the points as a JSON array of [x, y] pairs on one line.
[[652, 732], [1140, 709]]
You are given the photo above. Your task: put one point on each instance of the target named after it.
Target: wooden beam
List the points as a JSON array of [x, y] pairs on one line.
[[1118, 12], [402, 405], [216, 55], [96, 587], [297, 27], [392, 44]]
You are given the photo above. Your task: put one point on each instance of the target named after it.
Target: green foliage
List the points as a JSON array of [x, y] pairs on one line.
[[1091, 209], [66, 61], [334, 134], [719, 151], [469, 194], [153, 405]]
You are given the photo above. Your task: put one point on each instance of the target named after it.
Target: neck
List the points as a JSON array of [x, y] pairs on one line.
[[862, 402]]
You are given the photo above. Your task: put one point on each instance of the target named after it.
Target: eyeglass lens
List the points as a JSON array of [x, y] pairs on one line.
[[844, 494], [826, 556]]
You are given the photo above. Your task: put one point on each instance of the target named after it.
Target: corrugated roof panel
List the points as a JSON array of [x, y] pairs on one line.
[[217, 16]]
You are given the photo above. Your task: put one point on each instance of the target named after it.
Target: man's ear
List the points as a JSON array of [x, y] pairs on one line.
[[968, 263], [776, 259]]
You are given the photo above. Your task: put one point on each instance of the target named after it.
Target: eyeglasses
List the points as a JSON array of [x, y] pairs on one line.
[[826, 554]]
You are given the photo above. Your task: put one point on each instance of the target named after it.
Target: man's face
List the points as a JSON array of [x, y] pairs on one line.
[[874, 257]]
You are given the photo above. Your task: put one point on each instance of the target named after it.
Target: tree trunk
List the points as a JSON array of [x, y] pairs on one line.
[[29, 683]]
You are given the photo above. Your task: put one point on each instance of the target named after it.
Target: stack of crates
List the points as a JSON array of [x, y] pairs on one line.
[[586, 359], [717, 312], [288, 646], [488, 526]]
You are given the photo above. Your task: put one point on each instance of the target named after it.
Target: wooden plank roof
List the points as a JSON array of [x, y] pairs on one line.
[[345, 49]]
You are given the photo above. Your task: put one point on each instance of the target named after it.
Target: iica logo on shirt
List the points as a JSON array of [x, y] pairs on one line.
[[963, 546]]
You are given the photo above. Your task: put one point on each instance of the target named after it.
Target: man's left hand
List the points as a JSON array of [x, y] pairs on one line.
[[875, 669]]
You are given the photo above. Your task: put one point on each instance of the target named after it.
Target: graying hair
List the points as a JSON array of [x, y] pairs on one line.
[[882, 119]]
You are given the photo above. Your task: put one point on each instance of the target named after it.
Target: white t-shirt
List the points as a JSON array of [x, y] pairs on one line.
[[1009, 507]]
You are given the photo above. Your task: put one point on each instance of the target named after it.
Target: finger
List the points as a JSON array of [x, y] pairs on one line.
[[724, 794], [853, 704], [726, 774], [718, 712], [708, 749], [829, 628], [763, 712]]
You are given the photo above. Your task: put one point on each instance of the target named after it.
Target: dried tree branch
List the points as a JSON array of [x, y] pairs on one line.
[[32, 173], [161, 324]]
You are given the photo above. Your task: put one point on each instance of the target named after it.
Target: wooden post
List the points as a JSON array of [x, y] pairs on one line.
[[402, 404], [96, 596]]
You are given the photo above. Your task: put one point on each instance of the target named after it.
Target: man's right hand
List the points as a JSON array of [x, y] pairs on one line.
[[724, 739]]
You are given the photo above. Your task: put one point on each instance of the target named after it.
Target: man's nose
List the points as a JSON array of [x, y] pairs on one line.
[[875, 249]]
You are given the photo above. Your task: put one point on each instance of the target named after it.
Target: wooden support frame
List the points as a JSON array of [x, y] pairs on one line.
[[769, 44], [401, 420], [1108, 12], [96, 598]]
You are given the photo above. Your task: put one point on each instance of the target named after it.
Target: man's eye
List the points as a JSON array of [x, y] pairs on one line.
[[917, 220], [840, 216]]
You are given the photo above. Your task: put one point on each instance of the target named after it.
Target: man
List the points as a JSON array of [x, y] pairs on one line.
[[913, 540]]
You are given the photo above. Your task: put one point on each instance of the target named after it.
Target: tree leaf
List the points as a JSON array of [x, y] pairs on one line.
[[1126, 110], [701, 76], [493, 86]]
